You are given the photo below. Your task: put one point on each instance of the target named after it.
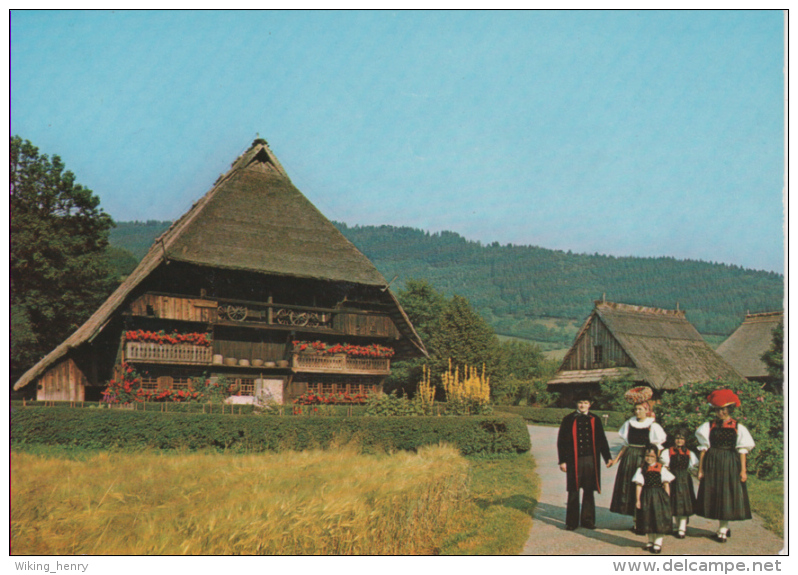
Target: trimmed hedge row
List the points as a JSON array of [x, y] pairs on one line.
[[103, 429], [554, 415]]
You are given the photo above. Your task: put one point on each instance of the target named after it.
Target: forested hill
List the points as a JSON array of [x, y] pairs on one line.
[[512, 286], [543, 294]]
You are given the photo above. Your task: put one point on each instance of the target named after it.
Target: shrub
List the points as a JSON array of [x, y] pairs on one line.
[[103, 429], [761, 412], [611, 395], [387, 405]]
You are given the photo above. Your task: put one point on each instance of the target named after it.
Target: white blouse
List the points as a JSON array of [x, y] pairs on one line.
[[666, 475], [656, 434], [665, 457], [745, 442]]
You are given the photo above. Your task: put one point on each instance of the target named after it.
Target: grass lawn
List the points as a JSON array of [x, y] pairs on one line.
[[497, 516], [767, 501]]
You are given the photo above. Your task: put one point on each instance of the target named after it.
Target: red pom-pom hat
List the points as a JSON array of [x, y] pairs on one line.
[[723, 398]]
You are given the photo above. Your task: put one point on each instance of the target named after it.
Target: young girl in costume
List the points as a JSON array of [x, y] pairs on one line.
[[724, 444], [680, 461], [636, 432], [653, 505]]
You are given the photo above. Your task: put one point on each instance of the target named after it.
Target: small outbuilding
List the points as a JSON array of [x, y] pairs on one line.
[[745, 347], [649, 346]]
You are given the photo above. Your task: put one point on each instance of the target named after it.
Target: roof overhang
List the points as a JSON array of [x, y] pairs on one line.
[[580, 376]]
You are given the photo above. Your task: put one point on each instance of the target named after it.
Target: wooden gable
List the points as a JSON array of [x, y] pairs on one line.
[[596, 348]]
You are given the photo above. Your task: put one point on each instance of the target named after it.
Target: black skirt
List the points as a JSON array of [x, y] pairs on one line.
[[682, 494], [624, 498], [721, 494], [655, 515]]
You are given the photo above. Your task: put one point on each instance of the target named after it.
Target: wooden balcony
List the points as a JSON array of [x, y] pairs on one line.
[[185, 354], [340, 363], [265, 315]]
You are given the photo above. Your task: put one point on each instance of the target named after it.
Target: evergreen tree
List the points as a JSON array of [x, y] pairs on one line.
[[58, 265], [774, 357], [424, 305], [465, 338]]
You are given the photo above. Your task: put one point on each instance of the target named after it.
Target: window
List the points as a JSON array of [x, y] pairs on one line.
[[598, 354], [246, 385], [181, 382], [148, 382]]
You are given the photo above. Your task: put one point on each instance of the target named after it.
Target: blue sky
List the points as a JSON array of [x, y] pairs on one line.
[[626, 133]]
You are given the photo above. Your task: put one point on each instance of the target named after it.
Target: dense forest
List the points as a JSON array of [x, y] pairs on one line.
[[542, 294]]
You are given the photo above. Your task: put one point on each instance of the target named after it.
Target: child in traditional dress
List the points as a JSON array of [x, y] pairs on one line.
[[653, 505], [680, 461], [724, 445], [636, 432]]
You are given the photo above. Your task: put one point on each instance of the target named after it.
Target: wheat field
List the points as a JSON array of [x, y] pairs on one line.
[[336, 501]]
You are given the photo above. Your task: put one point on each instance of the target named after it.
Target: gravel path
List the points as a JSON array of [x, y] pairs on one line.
[[613, 535]]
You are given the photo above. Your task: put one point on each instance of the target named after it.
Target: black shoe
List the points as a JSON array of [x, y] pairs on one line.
[[680, 535], [589, 526], [570, 528], [720, 537], [648, 546], [656, 549], [728, 534]]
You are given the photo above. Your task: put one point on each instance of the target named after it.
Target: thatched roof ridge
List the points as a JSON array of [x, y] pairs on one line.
[[744, 348], [252, 219], [666, 349]]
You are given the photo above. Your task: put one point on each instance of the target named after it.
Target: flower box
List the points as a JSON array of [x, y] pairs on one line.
[[158, 353], [342, 363]]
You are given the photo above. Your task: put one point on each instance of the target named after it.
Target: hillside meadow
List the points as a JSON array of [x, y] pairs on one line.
[[336, 501]]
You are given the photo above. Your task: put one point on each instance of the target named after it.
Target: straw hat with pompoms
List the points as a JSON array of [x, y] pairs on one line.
[[638, 395]]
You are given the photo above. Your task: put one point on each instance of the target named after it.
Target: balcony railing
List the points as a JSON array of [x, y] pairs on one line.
[[340, 363], [158, 353]]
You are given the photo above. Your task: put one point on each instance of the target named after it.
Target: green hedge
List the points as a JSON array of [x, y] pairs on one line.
[[554, 415], [103, 429]]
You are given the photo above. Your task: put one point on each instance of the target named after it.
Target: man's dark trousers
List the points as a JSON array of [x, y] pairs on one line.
[[586, 472]]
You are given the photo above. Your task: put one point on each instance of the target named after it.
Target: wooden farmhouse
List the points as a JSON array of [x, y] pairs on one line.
[[744, 348], [239, 287], [650, 346]]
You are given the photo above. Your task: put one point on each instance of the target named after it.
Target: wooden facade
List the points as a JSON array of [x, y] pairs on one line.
[[596, 348], [64, 382]]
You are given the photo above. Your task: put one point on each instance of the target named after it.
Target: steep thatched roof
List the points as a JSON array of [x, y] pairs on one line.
[[744, 348], [253, 219], [665, 348]]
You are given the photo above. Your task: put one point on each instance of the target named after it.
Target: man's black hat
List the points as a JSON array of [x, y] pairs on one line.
[[583, 395]]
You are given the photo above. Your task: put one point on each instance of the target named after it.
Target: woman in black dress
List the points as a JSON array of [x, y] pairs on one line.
[[724, 445], [636, 432], [652, 493]]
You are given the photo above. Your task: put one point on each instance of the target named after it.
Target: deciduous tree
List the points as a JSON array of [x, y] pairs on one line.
[[58, 266]]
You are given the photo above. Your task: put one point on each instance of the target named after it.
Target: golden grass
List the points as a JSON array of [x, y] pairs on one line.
[[313, 502]]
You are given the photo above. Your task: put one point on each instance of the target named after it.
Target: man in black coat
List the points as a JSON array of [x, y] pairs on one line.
[[580, 445]]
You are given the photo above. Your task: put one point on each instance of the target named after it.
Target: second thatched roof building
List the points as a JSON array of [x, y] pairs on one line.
[[650, 346]]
